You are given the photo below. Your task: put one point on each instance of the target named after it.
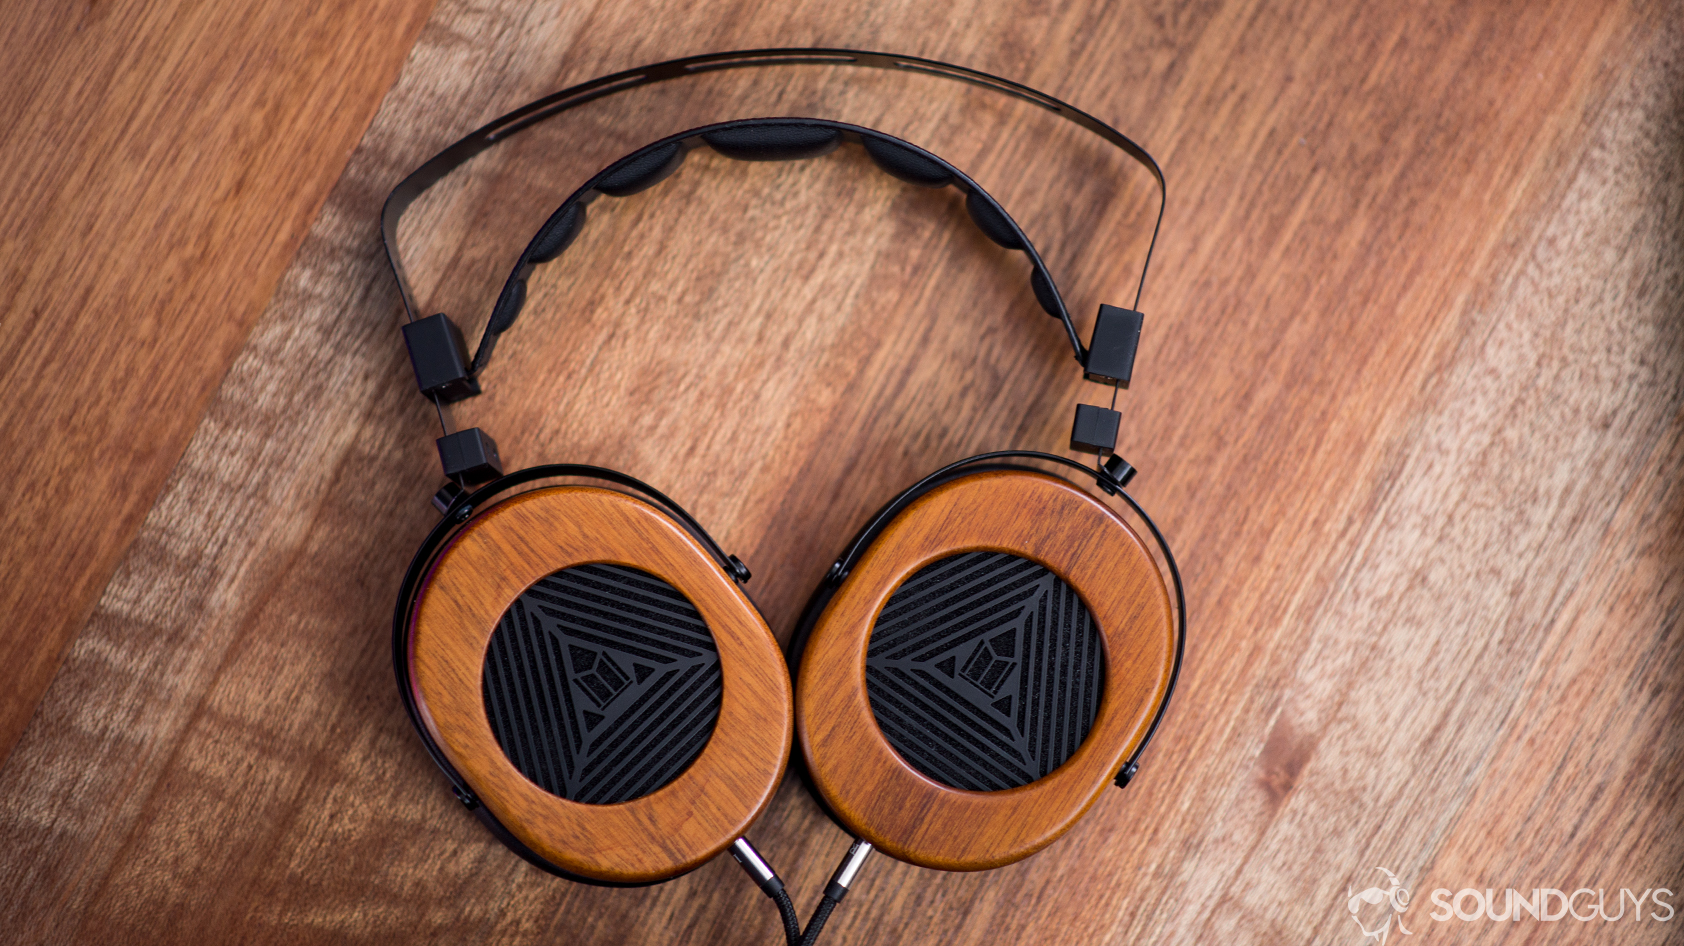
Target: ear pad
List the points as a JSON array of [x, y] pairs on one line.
[[983, 672], [611, 696]]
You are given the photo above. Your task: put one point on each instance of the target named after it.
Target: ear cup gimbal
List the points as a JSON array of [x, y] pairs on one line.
[[992, 649]]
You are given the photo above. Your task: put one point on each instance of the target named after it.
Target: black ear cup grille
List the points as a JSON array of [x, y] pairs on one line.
[[984, 671], [602, 683]]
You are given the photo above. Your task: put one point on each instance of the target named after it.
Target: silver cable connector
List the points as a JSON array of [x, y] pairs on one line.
[[849, 869], [744, 853]]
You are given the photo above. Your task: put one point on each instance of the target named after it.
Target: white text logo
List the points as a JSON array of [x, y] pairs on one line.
[[1376, 909], [1549, 904]]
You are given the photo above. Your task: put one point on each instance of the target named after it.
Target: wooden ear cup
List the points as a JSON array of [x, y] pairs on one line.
[[610, 695], [984, 671]]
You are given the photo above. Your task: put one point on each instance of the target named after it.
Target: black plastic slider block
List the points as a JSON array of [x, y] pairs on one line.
[[1120, 469], [1095, 430], [440, 358], [470, 456], [1116, 337]]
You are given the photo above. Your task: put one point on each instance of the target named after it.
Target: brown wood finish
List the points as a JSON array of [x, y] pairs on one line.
[[1408, 406], [163, 164], [886, 801], [488, 564]]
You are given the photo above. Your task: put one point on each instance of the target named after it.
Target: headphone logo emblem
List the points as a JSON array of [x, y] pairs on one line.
[[1395, 895], [600, 677], [991, 663]]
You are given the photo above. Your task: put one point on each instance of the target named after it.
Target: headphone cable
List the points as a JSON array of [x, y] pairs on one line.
[[772, 885], [835, 891]]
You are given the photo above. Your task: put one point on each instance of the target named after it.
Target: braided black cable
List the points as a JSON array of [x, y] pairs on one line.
[[815, 925], [786, 912], [770, 884], [835, 891]]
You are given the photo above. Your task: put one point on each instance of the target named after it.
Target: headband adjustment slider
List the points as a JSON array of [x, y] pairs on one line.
[[440, 359], [1116, 337], [470, 456], [1095, 430]]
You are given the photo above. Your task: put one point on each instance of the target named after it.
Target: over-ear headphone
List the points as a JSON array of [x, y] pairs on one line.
[[991, 649]]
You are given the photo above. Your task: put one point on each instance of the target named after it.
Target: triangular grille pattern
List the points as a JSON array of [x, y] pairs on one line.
[[602, 683], [984, 671]]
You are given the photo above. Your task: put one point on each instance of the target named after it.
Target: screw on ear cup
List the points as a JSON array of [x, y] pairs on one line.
[[975, 571], [618, 601]]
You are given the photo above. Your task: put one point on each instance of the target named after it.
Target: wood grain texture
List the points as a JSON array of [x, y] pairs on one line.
[[504, 551], [1408, 405], [888, 802], [164, 162]]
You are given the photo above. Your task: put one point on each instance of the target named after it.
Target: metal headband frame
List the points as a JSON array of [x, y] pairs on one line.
[[519, 120]]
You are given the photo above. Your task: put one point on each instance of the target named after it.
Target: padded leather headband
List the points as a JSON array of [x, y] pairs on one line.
[[764, 139], [550, 106]]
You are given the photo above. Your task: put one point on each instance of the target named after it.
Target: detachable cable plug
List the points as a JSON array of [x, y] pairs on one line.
[[769, 883], [848, 870], [755, 866], [836, 890]]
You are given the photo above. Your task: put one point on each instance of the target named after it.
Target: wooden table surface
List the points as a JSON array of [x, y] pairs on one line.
[[1408, 406]]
